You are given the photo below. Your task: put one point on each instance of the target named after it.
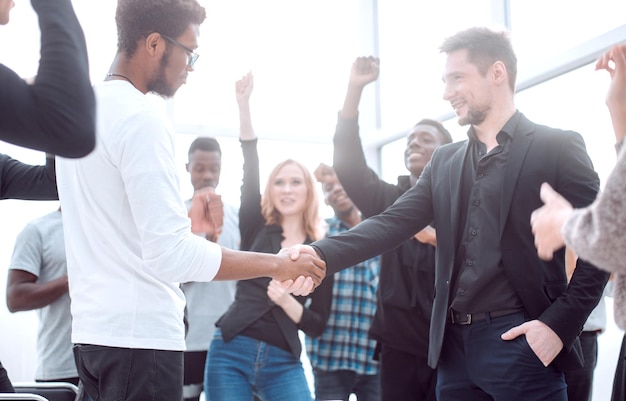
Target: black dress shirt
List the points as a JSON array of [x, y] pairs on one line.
[[480, 282]]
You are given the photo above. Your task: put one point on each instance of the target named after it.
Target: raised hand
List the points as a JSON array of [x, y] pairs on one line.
[[244, 87], [614, 61], [364, 70]]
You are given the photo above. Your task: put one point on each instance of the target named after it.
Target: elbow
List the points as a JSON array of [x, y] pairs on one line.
[[13, 304]]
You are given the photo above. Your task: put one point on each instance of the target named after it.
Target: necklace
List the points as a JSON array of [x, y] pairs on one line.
[[112, 74]]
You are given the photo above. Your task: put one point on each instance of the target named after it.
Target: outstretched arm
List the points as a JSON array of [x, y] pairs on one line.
[[299, 276]]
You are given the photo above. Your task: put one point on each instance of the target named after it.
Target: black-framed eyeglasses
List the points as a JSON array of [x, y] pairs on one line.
[[193, 56]]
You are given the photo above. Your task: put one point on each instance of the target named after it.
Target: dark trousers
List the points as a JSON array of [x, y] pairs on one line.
[[477, 365], [115, 374], [5, 383], [405, 377], [619, 381], [193, 374], [580, 381]]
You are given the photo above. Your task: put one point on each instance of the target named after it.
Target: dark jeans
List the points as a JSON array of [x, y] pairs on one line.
[[114, 374], [477, 365], [339, 384], [5, 383], [580, 381], [405, 376]]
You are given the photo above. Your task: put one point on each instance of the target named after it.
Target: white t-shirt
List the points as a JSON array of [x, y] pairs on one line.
[[206, 302], [128, 238]]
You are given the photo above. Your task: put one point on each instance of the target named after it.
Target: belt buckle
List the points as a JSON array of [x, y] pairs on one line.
[[460, 318]]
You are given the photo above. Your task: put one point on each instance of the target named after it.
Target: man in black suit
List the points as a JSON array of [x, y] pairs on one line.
[[505, 324]]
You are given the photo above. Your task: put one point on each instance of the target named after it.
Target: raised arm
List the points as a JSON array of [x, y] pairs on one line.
[[368, 192], [364, 71], [56, 114]]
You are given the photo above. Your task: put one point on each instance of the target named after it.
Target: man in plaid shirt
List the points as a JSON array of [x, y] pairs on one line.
[[341, 357]]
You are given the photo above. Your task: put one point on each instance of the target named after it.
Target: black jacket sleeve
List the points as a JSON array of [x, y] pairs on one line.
[[23, 181], [57, 113], [368, 192]]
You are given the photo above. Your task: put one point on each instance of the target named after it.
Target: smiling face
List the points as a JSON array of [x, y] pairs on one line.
[[421, 142], [335, 196], [5, 11], [174, 65], [288, 190], [469, 92]]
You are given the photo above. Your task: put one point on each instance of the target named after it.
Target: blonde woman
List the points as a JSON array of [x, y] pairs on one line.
[[256, 349]]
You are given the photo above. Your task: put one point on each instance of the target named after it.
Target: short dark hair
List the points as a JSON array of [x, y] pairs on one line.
[[484, 47], [136, 19], [443, 132], [205, 143]]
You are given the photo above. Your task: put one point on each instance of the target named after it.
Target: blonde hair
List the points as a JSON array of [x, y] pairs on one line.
[[310, 215]]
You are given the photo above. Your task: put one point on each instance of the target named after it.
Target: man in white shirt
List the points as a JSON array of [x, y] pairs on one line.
[[128, 238]]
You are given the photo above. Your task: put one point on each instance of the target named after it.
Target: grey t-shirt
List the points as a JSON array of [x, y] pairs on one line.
[[40, 250]]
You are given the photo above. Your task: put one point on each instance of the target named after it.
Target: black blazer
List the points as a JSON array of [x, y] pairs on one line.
[[538, 154]]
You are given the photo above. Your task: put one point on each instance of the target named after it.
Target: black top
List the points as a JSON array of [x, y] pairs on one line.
[[23, 181], [57, 113], [480, 284], [407, 275], [538, 154], [253, 314]]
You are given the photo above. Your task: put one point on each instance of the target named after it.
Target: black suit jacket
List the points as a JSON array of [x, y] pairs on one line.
[[538, 154]]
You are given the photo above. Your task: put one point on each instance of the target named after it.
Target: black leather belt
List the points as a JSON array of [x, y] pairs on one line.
[[469, 318]]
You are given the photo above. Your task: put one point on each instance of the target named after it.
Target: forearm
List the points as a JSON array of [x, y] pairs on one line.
[[246, 132], [240, 265], [351, 102], [292, 308], [29, 296]]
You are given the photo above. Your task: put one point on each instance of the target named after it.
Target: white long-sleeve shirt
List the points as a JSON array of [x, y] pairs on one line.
[[128, 238]]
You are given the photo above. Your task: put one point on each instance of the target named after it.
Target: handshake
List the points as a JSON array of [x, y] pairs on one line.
[[303, 263]]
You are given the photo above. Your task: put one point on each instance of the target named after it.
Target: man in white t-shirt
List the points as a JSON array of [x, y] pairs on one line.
[[128, 238]]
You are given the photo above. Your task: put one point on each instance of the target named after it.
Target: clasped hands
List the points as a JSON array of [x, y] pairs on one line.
[[304, 264]]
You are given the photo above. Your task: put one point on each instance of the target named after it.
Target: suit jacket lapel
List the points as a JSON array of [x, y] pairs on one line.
[[519, 148], [456, 181]]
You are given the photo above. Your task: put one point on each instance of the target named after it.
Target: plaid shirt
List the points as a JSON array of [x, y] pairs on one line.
[[344, 344]]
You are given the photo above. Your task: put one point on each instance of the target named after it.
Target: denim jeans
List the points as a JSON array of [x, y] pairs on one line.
[[339, 384], [243, 367], [112, 374]]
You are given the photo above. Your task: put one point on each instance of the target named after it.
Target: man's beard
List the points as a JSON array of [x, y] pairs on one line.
[[474, 117], [158, 84]]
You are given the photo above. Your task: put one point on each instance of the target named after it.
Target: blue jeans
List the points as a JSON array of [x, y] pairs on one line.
[[244, 367], [130, 374], [339, 384]]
